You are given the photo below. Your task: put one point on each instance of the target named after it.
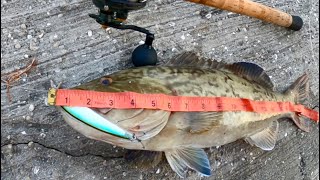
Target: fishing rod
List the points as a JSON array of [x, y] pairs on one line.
[[112, 13]]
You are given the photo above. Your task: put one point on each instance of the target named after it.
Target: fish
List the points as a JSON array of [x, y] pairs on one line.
[[183, 136]]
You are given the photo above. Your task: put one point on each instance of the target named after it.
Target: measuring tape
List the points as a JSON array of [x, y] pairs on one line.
[[132, 100]]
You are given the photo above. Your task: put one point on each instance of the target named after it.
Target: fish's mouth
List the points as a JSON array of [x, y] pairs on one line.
[[93, 119]]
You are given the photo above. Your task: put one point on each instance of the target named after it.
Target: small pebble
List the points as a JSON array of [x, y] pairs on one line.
[[218, 163], [9, 146], [28, 118], [23, 132], [108, 30], [23, 26], [60, 15], [33, 46], [171, 24], [29, 36], [158, 171], [17, 46], [105, 163], [208, 16], [43, 135], [36, 169], [89, 33], [31, 107], [56, 44], [30, 143], [41, 35]]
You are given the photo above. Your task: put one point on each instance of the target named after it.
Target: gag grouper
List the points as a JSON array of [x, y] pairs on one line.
[[182, 135]]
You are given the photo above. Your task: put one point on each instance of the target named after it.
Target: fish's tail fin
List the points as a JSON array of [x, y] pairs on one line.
[[300, 90]]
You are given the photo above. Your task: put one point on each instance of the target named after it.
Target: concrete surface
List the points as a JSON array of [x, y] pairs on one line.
[[72, 48]]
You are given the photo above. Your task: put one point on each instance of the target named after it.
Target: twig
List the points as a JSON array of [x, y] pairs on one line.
[[15, 76]]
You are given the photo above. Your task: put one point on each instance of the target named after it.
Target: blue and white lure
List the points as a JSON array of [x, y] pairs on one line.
[[95, 120]]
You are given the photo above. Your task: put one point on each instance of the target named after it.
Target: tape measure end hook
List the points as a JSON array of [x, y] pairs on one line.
[[52, 94]]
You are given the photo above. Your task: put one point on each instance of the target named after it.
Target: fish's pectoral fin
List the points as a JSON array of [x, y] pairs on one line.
[[265, 139], [194, 158], [302, 122], [200, 122], [151, 125], [143, 159], [251, 72], [192, 59]]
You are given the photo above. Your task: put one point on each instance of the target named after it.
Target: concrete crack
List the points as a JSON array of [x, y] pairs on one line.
[[63, 152], [315, 107]]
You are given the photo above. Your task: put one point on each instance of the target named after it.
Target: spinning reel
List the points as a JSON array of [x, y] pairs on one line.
[[112, 13]]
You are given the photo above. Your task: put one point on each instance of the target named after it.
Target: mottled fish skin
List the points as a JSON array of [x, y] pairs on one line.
[[184, 81]]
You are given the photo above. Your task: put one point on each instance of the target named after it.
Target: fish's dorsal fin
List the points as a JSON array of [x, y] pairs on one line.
[[181, 159], [251, 72], [265, 139], [143, 159], [200, 122], [192, 59]]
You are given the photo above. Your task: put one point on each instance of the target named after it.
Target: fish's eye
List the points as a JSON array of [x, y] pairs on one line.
[[106, 81]]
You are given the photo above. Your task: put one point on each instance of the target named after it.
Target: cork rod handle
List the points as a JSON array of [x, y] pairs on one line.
[[256, 10]]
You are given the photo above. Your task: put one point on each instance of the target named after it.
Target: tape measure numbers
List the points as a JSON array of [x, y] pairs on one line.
[[131, 100]]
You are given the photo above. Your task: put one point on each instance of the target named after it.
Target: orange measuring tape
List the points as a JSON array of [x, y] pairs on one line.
[[132, 100]]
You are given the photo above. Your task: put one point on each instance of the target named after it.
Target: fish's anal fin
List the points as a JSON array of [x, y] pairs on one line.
[[302, 122], [192, 59], [265, 139], [143, 159], [251, 72], [181, 159], [201, 122]]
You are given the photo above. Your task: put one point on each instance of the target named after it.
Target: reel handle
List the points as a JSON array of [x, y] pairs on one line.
[[256, 10]]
